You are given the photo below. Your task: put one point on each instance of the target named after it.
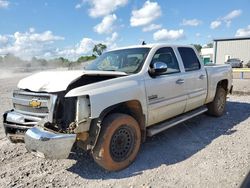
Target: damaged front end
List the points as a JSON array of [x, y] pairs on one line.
[[49, 124], [28, 109], [47, 120], [45, 142]]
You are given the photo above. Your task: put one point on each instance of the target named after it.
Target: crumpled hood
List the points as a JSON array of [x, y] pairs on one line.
[[55, 81]]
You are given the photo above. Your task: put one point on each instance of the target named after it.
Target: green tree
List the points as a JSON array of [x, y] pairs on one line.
[[12, 60], [210, 45], [198, 47], [85, 58], [98, 49], [63, 60], [43, 62]]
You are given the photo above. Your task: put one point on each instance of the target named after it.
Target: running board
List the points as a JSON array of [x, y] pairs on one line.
[[155, 129]]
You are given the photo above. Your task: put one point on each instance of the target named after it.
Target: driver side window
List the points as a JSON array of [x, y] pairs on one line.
[[166, 55]]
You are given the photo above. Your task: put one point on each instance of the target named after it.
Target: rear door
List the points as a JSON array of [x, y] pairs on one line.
[[195, 78], [166, 93]]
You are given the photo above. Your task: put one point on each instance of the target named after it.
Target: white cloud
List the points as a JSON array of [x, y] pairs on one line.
[[42, 45], [164, 35], [107, 25], [227, 19], [28, 44], [102, 8], [113, 38], [111, 41], [243, 32], [197, 34], [232, 15], [78, 6], [85, 47], [151, 27], [4, 4], [145, 15], [46, 36], [192, 22], [3, 40], [215, 24], [32, 30]]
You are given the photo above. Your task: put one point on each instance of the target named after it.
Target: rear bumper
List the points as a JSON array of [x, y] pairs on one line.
[[47, 144]]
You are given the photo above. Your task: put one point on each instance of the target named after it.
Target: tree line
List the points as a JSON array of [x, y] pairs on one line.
[[10, 60]]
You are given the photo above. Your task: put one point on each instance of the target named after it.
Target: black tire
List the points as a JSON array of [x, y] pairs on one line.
[[118, 142], [217, 107]]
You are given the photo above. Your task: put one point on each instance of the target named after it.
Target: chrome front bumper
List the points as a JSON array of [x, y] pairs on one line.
[[47, 144], [25, 120], [20, 128]]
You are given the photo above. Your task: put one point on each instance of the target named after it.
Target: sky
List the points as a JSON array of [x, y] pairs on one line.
[[70, 28]]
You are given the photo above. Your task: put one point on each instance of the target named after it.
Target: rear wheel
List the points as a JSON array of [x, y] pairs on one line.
[[118, 143], [217, 107]]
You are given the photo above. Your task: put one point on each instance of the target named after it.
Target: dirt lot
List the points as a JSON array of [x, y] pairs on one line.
[[203, 152]]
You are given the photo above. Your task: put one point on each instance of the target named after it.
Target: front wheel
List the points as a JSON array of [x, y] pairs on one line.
[[217, 107], [118, 143]]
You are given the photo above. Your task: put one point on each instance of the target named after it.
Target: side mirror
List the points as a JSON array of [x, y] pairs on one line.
[[158, 68]]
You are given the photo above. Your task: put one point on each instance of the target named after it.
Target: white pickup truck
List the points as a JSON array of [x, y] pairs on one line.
[[111, 106]]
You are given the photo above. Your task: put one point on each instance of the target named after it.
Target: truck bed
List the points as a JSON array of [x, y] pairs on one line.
[[216, 73]]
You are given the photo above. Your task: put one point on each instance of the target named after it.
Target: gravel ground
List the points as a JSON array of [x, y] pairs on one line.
[[202, 152]]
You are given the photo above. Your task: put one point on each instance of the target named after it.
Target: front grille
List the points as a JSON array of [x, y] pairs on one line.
[[22, 103], [29, 97], [30, 109]]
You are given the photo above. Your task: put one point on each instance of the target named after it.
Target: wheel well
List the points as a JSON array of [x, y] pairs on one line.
[[132, 108], [223, 84]]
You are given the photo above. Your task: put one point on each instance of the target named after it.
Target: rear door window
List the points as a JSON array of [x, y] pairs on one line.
[[189, 59]]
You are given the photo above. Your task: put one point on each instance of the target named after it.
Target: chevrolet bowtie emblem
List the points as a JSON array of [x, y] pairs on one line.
[[35, 103]]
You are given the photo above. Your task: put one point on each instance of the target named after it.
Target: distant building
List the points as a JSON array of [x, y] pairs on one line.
[[207, 54], [228, 48]]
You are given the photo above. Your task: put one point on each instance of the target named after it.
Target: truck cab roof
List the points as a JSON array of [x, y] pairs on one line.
[[152, 45]]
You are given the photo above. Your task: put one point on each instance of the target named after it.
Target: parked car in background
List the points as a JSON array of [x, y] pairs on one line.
[[248, 64], [235, 63]]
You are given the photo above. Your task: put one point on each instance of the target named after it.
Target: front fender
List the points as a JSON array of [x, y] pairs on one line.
[[108, 93]]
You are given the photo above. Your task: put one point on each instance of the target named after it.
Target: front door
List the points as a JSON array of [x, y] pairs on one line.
[[166, 94]]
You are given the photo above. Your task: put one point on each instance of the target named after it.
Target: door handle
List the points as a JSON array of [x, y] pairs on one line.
[[180, 81], [202, 76]]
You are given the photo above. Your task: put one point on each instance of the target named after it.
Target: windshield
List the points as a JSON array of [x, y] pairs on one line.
[[126, 60]]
